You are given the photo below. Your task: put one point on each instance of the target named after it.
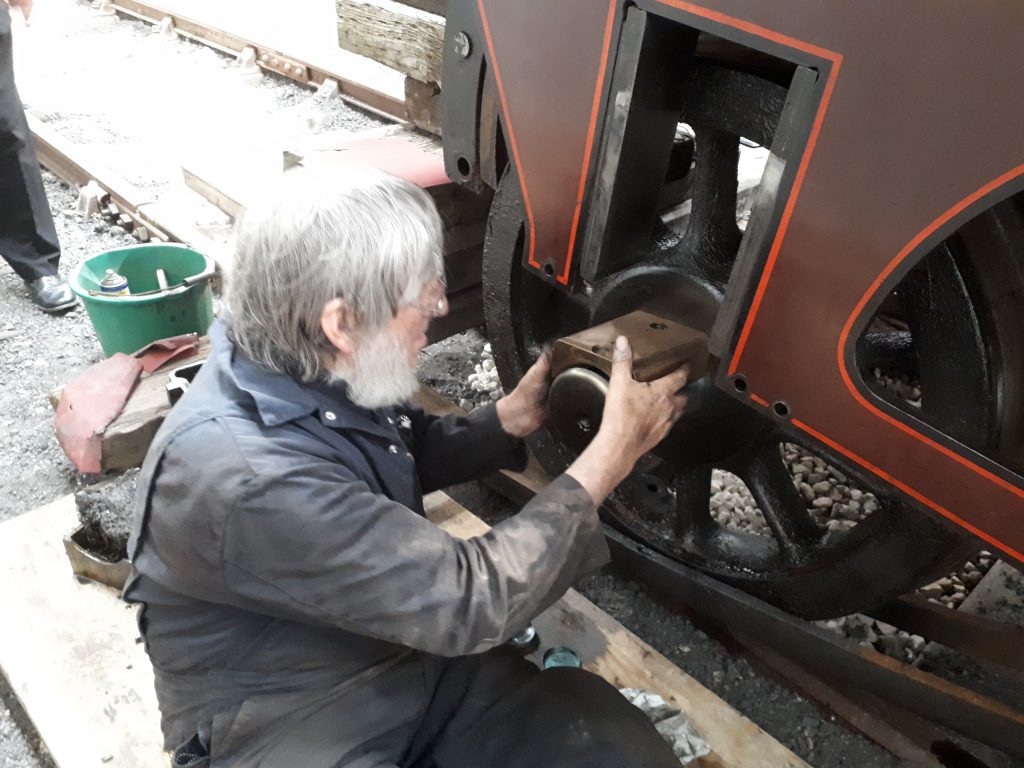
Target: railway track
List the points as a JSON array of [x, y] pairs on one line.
[[908, 711]]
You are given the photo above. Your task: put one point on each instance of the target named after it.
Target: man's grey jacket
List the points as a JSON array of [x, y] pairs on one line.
[[295, 601]]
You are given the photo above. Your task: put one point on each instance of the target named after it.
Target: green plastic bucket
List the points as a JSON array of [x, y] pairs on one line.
[[128, 323]]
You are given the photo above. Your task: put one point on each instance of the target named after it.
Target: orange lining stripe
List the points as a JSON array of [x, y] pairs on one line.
[[873, 289], [591, 131], [907, 489], [511, 132], [759, 400]]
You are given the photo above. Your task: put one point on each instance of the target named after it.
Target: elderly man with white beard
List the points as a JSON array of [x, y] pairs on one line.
[[298, 608]]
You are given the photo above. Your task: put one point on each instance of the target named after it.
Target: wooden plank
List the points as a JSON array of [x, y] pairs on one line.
[[70, 654], [179, 224], [76, 165], [423, 105], [440, 7], [360, 82], [613, 652], [404, 38]]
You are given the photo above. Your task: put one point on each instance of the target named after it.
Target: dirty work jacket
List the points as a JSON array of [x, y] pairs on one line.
[[292, 591]]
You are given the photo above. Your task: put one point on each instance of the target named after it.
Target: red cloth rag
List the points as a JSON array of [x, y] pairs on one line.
[[95, 397]]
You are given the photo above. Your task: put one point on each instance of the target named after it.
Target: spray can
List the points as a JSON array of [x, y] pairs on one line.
[[114, 284]]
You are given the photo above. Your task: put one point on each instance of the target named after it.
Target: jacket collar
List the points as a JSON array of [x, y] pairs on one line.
[[280, 399]]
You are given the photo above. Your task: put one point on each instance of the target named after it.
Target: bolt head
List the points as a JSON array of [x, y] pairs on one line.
[[463, 45]]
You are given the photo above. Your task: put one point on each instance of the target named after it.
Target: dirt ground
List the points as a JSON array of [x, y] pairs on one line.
[[39, 353]]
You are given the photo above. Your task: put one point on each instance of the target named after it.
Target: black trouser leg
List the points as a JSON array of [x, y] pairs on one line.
[[499, 711], [28, 240]]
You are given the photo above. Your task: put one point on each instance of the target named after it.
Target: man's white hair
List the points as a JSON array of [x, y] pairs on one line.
[[367, 237]]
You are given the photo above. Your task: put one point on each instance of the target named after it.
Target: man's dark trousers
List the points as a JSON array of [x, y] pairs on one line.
[[28, 240]]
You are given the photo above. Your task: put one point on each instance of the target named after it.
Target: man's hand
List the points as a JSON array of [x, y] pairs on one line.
[[637, 416], [25, 6], [523, 411]]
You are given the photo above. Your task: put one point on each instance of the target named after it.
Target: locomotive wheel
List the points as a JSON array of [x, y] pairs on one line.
[[977, 278]]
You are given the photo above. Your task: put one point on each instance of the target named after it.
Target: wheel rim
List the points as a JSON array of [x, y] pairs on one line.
[[667, 505]]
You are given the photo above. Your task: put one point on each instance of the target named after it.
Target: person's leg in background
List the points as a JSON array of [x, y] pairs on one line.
[[497, 710], [28, 239]]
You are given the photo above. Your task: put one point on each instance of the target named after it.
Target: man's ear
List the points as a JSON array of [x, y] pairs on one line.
[[338, 323]]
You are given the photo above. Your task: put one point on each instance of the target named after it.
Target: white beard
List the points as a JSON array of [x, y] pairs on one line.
[[380, 375]]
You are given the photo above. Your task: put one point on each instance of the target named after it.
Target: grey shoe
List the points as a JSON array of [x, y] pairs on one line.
[[52, 294]]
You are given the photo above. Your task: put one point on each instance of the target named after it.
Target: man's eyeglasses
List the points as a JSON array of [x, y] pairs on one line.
[[432, 307]]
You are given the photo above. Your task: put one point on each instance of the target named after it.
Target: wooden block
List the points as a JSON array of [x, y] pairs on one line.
[[70, 654], [623, 659], [659, 345], [404, 38], [440, 7], [230, 180], [423, 105], [127, 438], [179, 224]]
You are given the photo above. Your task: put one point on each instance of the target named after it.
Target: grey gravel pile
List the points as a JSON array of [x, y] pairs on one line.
[[953, 589], [901, 386], [484, 383]]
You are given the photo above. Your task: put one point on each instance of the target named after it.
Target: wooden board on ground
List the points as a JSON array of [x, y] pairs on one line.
[[70, 654], [125, 441], [440, 7], [613, 652], [231, 178], [306, 33], [404, 38]]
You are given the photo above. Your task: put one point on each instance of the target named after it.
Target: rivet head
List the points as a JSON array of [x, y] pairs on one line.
[[393, 449], [329, 415], [463, 45]]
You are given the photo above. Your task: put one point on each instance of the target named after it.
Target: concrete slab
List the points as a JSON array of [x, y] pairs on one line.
[[69, 651], [998, 596]]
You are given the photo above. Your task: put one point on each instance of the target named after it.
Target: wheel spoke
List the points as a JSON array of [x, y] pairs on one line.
[[783, 508], [713, 235], [693, 501], [949, 341]]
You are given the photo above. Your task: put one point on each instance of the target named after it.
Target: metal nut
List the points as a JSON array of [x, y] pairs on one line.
[[463, 45]]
